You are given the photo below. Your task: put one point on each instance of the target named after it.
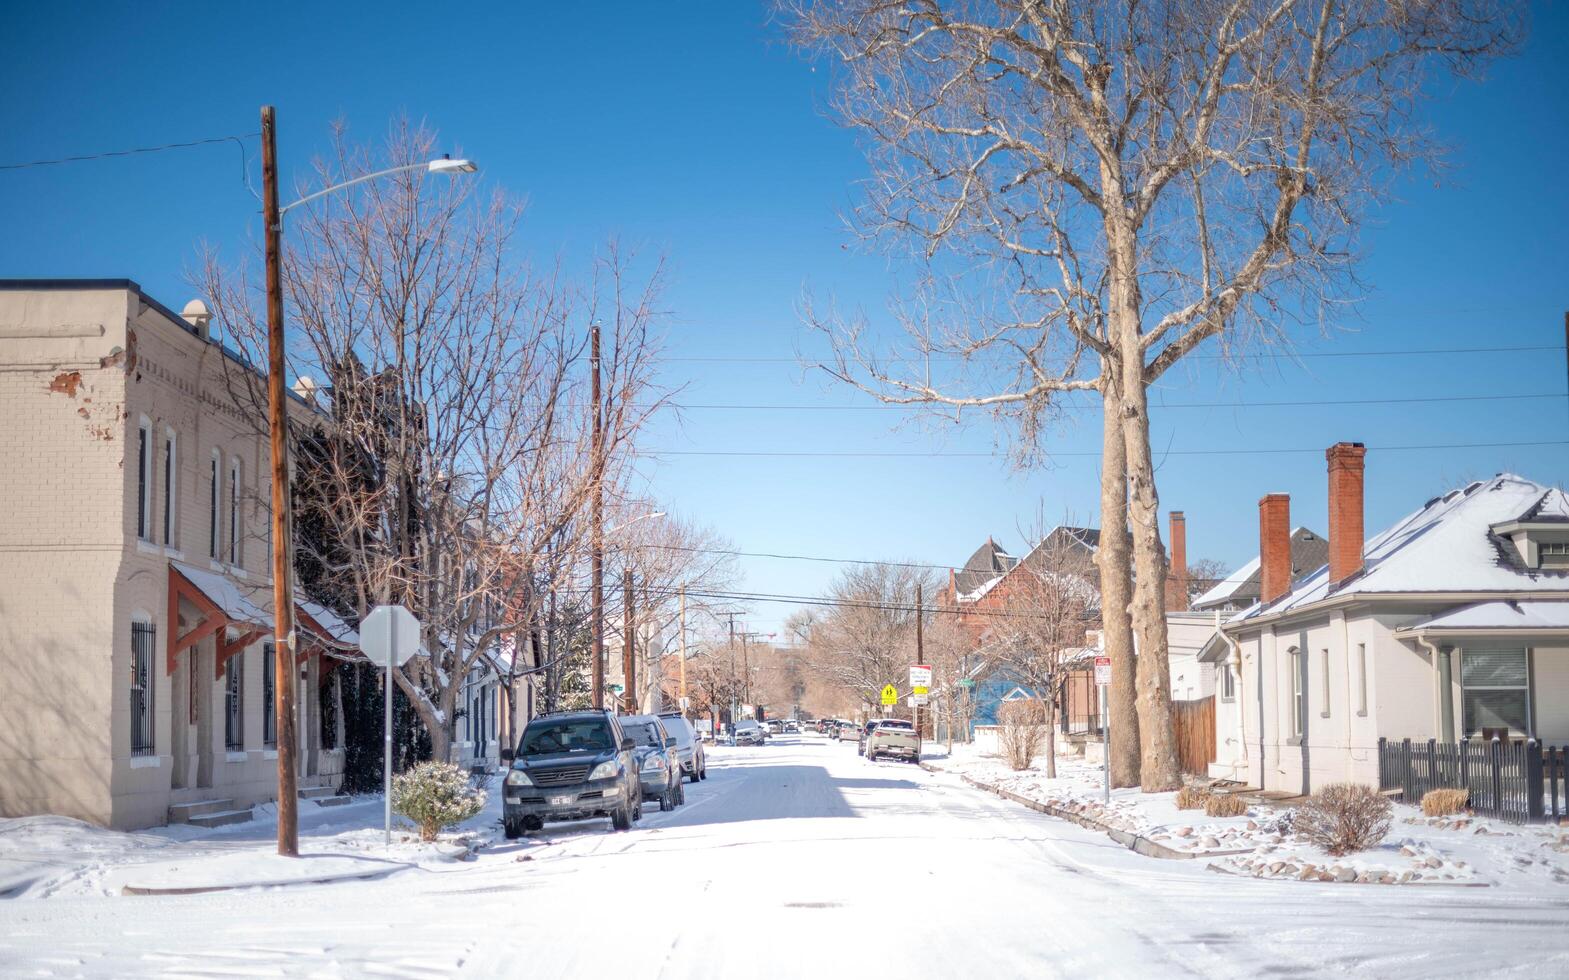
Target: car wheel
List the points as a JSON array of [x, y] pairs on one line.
[[664, 802], [512, 829], [680, 794], [621, 818], [703, 772], [637, 809]]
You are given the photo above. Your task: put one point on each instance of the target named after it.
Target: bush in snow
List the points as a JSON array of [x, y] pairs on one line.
[[1192, 798], [1022, 735], [1344, 817], [1443, 802], [435, 795], [1224, 805]]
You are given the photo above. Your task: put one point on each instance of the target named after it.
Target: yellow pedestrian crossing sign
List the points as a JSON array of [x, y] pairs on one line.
[[890, 696]]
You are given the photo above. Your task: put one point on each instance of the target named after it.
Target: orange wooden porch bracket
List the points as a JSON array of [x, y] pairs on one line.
[[213, 618]]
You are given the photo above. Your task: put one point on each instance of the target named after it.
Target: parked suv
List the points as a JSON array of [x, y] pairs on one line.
[[689, 747], [749, 732], [571, 766], [892, 738]]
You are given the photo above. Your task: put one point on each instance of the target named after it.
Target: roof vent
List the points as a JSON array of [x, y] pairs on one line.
[[199, 317]]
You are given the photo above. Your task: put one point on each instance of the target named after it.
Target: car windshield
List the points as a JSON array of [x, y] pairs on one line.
[[643, 733], [901, 725], [677, 727], [574, 735]]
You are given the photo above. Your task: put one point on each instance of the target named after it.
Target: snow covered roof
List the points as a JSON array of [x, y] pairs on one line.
[[982, 569], [1309, 550], [1527, 615], [1446, 546], [236, 603]]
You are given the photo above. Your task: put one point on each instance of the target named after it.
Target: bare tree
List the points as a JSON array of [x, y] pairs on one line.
[[1050, 604], [1121, 183], [1203, 575], [446, 469], [866, 639]]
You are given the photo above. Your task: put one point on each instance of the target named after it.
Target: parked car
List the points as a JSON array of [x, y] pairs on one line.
[[571, 766], [849, 732], [658, 764], [792, 727], [774, 726], [749, 732], [689, 746], [867, 729], [893, 738]]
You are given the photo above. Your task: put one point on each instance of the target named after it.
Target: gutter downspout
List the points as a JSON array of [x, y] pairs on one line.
[[1442, 707]]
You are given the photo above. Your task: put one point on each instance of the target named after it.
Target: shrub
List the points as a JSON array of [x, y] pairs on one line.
[[1224, 805], [1443, 802], [1022, 734], [1192, 798], [435, 795], [1344, 817]]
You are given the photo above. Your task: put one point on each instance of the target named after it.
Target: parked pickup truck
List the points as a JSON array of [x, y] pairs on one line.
[[893, 738]]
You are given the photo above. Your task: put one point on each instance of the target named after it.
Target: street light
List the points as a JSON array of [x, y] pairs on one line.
[[282, 584]]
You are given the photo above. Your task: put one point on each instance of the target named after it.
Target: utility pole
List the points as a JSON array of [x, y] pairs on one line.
[[282, 587], [597, 671], [732, 679], [628, 645], [683, 651], [920, 658]]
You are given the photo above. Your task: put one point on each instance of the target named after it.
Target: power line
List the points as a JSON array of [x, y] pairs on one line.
[[708, 406], [1202, 355], [131, 152], [939, 454]]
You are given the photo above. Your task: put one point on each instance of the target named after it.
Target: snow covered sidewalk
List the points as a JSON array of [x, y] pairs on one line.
[[1261, 843]]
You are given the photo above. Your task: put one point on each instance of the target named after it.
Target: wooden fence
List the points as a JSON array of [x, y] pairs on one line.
[[1195, 722], [1520, 781]]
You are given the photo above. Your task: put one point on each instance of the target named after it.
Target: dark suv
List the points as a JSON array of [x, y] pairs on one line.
[[571, 766]]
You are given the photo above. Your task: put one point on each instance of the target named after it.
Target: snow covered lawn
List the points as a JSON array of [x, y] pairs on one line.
[[1418, 850]]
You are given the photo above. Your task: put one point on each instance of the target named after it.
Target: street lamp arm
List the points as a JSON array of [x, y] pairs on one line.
[[443, 165]]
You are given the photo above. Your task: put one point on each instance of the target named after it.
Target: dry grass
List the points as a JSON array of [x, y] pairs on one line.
[[1192, 798], [1224, 805], [1443, 802], [1344, 817]]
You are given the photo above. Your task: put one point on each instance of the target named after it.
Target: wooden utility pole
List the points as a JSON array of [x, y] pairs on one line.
[[920, 658], [629, 697], [597, 671], [683, 651], [282, 587]]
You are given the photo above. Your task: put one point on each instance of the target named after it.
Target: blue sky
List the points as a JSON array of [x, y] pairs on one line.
[[691, 130]]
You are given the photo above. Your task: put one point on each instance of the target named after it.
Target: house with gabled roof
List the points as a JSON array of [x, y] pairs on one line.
[[1453, 622]]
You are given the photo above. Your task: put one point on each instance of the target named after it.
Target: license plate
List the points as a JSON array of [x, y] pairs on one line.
[[560, 800]]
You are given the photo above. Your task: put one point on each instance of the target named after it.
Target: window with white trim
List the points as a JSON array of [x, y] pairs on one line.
[[1553, 553], [1297, 694], [234, 703], [234, 511], [144, 638], [1228, 683], [215, 507], [1323, 665], [171, 483], [1362, 679], [1495, 685], [144, 480]]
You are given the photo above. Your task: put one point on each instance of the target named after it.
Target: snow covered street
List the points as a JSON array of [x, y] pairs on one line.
[[793, 859]]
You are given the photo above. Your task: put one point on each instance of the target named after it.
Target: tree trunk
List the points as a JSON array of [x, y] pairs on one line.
[[1159, 769], [1051, 738], [1116, 590]]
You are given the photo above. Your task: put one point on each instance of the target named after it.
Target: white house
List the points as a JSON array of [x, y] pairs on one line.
[[1454, 621]]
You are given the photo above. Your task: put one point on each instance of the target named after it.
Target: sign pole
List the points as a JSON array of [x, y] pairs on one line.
[[1105, 761], [386, 760]]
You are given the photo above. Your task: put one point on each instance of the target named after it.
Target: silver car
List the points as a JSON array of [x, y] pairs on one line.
[[658, 767], [689, 748]]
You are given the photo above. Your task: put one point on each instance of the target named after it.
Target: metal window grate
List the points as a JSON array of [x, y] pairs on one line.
[[143, 643], [269, 685], [234, 705]]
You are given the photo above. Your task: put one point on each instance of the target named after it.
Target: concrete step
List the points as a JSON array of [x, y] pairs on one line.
[[317, 792], [220, 819], [334, 800], [183, 812]]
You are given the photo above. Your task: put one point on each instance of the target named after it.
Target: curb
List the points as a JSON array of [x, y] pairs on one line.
[[1133, 842], [1417, 884], [204, 889]]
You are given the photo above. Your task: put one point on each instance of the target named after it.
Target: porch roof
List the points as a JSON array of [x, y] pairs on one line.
[[226, 594], [1498, 616]]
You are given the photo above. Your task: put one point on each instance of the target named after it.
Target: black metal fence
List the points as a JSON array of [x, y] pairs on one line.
[[1519, 781]]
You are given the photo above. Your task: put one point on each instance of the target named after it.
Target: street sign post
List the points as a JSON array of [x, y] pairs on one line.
[[389, 638], [1102, 682], [920, 676], [890, 695]]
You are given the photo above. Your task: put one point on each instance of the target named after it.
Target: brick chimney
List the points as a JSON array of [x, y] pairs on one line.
[[1274, 546], [1177, 573], [1345, 509]]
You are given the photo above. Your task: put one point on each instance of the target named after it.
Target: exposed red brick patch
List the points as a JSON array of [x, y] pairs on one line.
[[66, 383]]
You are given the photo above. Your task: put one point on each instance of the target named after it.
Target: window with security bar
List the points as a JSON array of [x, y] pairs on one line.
[[234, 703], [143, 637], [269, 682]]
